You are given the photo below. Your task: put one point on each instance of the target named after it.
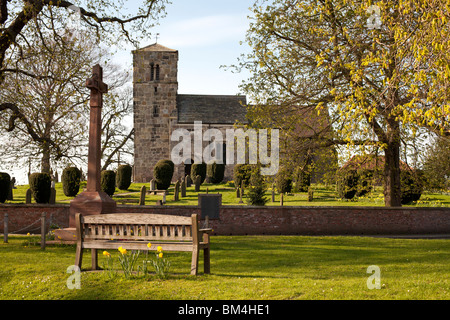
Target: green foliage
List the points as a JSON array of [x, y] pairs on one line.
[[436, 166], [283, 181], [256, 194], [163, 173], [365, 178], [108, 182], [302, 180], [198, 169], [242, 172], [123, 176], [71, 178], [40, 185], [411, 186], [215, 171], [347, 184], [5, 180]]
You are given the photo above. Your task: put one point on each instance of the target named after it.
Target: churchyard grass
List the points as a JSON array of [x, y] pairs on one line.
[[323, 196], [242, 267]]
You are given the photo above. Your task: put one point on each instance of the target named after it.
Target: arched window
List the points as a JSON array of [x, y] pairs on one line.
[[152, 72], [157, 72]]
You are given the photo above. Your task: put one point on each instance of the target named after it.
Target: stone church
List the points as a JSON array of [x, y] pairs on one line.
[[159, 110]]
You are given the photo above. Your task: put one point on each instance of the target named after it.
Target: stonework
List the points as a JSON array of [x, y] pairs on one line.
[[159, 110]]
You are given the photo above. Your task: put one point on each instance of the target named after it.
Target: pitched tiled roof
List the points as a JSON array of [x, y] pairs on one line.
[[214, 109], [156, 47]]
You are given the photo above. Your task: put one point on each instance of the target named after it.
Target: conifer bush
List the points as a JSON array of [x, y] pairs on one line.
[[71, 178], [40, 185], [215, 171], [163, 172], [198, 169], [5, 180], [108, 182], [123, 176]]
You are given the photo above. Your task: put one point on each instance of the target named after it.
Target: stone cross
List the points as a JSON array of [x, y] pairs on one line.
[[98, 88]]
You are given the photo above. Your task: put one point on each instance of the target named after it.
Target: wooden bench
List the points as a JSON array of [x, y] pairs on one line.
[[133, 231]]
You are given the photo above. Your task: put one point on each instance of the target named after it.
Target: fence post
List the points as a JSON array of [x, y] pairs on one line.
[[43, 231], [5, 228]]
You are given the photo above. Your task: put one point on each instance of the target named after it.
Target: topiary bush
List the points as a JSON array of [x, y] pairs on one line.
[[215, 172], [199, 169], [347, 184], [5, 180], [163, 172], [71, 178], [40, 185], [283, 181], [411, 186], [108, 182], [123, 176], [242, 172], [303, 181]]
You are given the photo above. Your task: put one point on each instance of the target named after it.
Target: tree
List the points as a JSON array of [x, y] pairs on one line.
[[375, 82], [436, 165]]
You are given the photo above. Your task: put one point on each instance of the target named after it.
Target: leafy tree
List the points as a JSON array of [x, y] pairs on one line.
[[256, 194], [376, 83], [436, 165]]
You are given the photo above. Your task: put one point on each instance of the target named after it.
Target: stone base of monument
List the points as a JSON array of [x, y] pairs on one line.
[[88, 203]]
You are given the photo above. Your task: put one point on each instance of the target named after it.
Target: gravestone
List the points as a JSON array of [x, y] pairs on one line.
[[28, 196], [198, 181], [210, 205], [188, 181], [56, 177], [152, 185], [183, 189], [10, 196], [142, 197], [52, 196], [176, 193], [93, 201]]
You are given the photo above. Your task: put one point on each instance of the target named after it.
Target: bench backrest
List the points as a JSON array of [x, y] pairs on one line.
[[138, 226]]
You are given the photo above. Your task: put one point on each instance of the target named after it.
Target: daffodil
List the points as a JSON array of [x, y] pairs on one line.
[[106, 253], [160, 255], [159, 249], [122, 250], [149, 245]]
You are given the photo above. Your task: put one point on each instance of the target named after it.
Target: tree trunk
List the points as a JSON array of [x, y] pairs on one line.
[[392, 189], [45, 160]]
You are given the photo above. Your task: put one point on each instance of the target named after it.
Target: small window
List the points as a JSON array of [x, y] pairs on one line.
[[152, 72], [156, 89], [155, 111], [157, 72]]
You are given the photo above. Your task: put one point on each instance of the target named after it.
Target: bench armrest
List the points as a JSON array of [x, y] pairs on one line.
[[208, 230]]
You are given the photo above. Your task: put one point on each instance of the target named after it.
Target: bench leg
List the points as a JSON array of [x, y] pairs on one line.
[[79, 256], [94, 259], [206, 261], [194, 263]]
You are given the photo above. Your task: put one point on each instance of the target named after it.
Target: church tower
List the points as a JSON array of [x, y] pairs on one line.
[[155, 87]]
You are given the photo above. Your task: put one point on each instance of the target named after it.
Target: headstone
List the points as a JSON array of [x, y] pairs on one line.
[[198, 181], [52, 196], [281, 199], [210, 205], [56, 177], [183, 189], [176, 193], [10, 196], [142, 197], [188, 181], [94, 201], [310, 195], [159, 202], [164, 198], [28, 196], [53, 184], [152, 185]]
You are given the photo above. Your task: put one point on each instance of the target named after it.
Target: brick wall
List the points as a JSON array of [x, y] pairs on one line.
[[238, 220]]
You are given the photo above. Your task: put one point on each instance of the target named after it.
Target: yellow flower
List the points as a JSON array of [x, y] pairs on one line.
[[28, 234], [106, 253], [149, 245], [159, 249], [160, 255], [122, 250]]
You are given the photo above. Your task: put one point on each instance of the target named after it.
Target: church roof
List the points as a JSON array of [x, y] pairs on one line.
[[213, 109], [156, 47]]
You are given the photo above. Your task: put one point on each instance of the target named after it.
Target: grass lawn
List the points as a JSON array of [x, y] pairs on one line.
[[323, 196], [243, 267]]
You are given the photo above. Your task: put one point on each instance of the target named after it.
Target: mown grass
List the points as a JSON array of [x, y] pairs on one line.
[[323, 196], [242, 268]]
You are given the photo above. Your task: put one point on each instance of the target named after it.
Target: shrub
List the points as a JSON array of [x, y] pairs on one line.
[[242, 172], [365, 178], [108, 182], [40, 185], [70, 179], [256, 194], [5, 180], [216, 172], [303, 181], [198, 169], [123, 176], [169, 162], [411, 186], [347, 184], [163, 172], [283, 181]]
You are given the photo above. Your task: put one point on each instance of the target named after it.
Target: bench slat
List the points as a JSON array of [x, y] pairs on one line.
[[138, 245], [137, 218]]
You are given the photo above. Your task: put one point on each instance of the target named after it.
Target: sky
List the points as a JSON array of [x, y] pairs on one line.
[[207, 34]]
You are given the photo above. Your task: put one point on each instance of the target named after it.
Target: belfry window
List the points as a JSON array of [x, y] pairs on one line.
[[155, 111], [157, 72], [152, 72]]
